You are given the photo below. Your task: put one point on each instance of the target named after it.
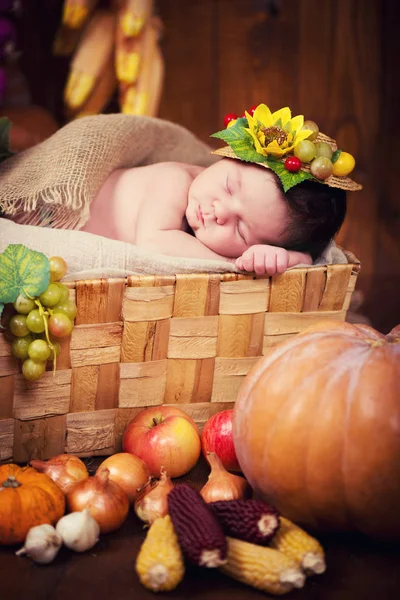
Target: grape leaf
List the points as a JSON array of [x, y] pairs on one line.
[[287, 178], [22, 271], [336, 155]]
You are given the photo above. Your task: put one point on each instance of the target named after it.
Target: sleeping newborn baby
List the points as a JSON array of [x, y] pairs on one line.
[[232, 211]]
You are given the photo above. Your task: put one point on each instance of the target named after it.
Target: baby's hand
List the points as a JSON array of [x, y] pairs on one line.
[[269, 260]]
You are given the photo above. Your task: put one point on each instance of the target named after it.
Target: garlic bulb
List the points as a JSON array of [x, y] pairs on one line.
[[42, 544], [79, 530]]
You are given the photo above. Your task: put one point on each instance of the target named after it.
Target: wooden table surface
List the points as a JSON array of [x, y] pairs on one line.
[[357, 569]]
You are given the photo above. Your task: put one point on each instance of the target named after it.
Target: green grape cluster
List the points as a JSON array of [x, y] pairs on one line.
[[38, 323], [319, 155]]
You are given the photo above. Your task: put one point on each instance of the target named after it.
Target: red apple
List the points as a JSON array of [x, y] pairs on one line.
[[164, 436], [217, 437]]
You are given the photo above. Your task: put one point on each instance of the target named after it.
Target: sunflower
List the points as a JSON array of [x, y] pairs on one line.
[[275, 133]]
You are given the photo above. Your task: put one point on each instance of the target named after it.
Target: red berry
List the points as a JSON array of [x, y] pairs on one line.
[[293, 164], [250, 111], [228, 118]]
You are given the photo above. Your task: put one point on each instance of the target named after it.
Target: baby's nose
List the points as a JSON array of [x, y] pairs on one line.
[[222, 213]]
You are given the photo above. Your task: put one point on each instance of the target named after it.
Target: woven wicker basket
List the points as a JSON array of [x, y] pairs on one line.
[[148, 340]]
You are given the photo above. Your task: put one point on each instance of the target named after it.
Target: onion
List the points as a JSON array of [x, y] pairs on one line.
[[221, 484], [106, 500], [152, 502], [64, 469], [129, 471]]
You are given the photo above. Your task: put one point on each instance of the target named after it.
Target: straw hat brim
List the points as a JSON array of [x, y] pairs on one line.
[[344, 183]]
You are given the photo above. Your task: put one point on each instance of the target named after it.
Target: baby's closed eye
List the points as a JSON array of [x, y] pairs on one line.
[[240, 229]]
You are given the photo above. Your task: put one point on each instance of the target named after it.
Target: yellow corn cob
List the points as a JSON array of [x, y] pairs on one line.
[[143, 98], [133, 15], [261, 567], [75, 12], [300, 546], [127, 57], [159, 564], [100, 95], [91, 57], [127, 95]]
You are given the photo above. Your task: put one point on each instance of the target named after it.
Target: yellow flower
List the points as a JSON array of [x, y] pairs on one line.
[[275, 133]]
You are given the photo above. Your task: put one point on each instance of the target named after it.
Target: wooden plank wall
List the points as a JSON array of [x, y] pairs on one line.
[[334, 61]]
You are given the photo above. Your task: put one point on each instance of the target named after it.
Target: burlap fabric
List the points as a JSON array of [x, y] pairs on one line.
[[53, 183]]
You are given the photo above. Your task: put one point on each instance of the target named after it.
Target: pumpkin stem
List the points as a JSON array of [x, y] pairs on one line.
[[11, 482]]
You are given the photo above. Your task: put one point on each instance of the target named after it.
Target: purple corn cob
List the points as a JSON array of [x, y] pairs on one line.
[[253, 521], [200, 534]]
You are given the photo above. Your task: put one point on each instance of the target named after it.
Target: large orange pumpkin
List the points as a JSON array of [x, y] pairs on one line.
[[27, 498], [317, 428]]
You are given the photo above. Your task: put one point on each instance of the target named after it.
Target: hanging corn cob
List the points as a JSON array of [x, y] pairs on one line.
[[91, 58], [100, 96], [300, 546], [128, 51], [143, 98], [159, 564], [75, 12], [261, 567], [133, 15]]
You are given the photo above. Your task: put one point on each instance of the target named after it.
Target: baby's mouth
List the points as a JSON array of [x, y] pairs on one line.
[[200, 215]]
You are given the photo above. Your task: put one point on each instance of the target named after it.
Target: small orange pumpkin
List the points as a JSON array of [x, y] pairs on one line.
[[27, 498], [317, 428]]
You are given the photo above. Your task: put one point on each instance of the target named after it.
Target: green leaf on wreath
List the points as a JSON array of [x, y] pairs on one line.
[[336, 155], [22, 271], [240, 141], [287, 178]]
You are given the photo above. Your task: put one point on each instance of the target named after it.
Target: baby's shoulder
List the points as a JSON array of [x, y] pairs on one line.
[[172, 169]]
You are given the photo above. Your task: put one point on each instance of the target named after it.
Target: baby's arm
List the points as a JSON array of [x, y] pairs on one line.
[[179, 243], [270, 260]]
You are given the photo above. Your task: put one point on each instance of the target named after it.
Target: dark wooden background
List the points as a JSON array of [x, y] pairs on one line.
[[335, 61]]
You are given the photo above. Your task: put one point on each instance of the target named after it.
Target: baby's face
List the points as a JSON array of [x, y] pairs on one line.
[[234, 205]]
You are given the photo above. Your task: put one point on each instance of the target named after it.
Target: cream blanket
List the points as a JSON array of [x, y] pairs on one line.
[[91, 256]]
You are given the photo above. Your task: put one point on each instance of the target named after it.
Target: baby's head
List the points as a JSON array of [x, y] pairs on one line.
[[233, 205]]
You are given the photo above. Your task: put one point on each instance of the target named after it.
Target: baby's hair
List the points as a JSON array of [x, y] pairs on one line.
[[316, 213]]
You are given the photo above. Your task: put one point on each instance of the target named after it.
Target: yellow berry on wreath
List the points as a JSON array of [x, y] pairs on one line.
[[344, 165]]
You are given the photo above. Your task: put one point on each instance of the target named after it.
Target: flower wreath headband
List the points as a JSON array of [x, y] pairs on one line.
[[294, 149]]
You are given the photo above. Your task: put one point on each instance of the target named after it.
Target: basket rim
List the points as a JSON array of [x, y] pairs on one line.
[[352, 260]]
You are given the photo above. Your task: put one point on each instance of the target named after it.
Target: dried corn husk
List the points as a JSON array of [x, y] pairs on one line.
[[101, 94], [143, 98], [90, 59]]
